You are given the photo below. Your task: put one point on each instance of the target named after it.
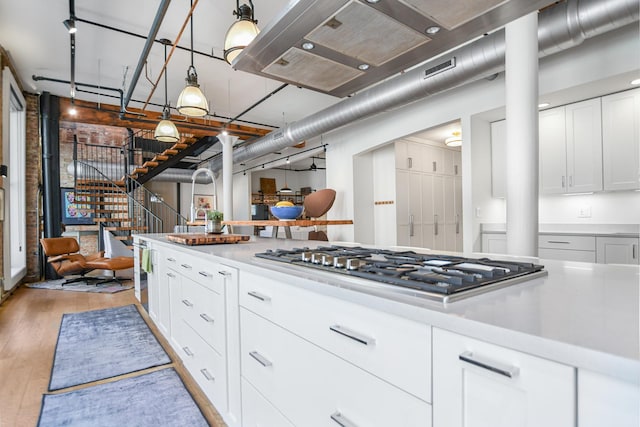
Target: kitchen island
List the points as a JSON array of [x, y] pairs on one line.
[[284, 345]]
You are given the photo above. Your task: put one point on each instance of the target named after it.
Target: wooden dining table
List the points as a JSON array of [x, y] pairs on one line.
[[276, 224]]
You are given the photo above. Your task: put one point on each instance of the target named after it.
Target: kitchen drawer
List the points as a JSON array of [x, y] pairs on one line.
[[567, 255], [257, 411], [565, 242], [202, 271], [203, 310], [393, 348], [205, 365], [310, 385]]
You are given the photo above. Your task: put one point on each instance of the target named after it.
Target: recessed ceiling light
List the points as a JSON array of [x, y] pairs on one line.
[[543, 104], [363, 67], [635, 82], [432, 30], [308, 45]]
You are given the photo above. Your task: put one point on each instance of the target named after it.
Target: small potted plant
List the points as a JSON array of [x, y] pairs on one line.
[[214, 222]]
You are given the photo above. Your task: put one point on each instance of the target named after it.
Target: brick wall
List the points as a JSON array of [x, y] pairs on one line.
[[33, 180]]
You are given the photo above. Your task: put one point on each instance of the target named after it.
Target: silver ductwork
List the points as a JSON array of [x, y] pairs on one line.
[[562, 26], [115, 171]]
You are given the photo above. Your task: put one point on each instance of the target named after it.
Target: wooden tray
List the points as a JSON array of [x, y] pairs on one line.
[[192, 239]]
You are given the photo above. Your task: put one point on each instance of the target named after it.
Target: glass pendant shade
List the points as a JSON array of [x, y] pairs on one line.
[[239, 35], [166, 131], [192, 101], [453, 141]]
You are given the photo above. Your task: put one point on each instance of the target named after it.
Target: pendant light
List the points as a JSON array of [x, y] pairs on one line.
[[241, 33], [166, 131], [286, 188], [454, 141], [192, 101]]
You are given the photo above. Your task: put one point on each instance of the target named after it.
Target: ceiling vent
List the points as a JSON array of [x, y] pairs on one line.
[[340, 47]]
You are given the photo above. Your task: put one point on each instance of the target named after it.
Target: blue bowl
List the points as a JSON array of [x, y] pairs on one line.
[[286, 212]]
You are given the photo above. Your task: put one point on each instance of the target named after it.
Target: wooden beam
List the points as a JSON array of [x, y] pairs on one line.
[[109, 115]]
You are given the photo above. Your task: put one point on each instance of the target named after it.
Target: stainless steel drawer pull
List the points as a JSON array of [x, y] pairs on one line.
[[171, 275], [187, 266], [435, 166], [259, 296], [206, 374], [410, 225], [187, 303], [187, 351], [559, 242], [409, 162], [224, 273], [205, 274], [498, 368], [206, 318], [171, 259], [341, 420], [356, 336], [260, 358], [634, 251]]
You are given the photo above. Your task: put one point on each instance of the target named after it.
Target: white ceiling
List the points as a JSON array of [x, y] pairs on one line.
[[33, 34]]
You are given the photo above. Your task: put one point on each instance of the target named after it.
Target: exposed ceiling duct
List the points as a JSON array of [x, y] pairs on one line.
[[115, 171], [562, 26]]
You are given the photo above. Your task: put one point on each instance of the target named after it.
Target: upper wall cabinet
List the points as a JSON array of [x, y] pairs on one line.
[[571, 148], [621, 140]]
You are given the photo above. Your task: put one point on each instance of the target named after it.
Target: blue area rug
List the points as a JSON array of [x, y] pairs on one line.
[[155, 399], [108, 288], [100, 344]]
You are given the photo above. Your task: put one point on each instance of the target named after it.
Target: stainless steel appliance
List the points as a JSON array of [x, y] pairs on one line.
[[438, 277]]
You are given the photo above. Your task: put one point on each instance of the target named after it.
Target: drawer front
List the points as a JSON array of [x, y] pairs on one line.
[[310, 386], [576, 243], [205, 272], [205, 366], [203, 310], [395, 349], [567, 255], [257, 411]]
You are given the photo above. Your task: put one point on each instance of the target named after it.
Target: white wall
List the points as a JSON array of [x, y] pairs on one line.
[[576, 66]]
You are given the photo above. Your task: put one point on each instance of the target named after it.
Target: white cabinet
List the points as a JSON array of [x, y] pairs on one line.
[[494, 243], [571, 148], [617, 250], [153, 285], [567, 247], [408, 208], [484, 385], [621, 140], [607, 401]]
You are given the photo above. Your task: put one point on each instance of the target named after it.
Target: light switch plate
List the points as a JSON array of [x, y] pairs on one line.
[[584, 212]]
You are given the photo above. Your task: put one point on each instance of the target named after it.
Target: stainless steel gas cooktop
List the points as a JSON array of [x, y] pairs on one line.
[[438, 277]]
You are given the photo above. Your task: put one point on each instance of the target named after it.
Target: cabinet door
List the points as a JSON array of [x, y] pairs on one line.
[[167, 279], [607, 401], [402, 156], [553, 155], [494, 243], [621, 140], [152, 286], [498, 158], [484, 385], [409, 209], [438, 212], [458, 211], [617, 250], [584, 146]]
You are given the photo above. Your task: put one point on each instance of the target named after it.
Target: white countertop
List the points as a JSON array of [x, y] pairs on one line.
[[601, 230], [581, 314]]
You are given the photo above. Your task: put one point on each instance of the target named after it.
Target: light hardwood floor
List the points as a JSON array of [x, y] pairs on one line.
[[29, 323]]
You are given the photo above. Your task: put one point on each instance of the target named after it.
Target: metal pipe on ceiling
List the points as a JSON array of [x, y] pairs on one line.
[[565, 25], [115, 170], [153, 32]]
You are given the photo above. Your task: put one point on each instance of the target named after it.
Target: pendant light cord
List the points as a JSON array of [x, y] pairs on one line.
[[191, 25], [166, 107]]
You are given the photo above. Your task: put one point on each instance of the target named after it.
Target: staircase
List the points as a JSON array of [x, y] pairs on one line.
[[117, 199]]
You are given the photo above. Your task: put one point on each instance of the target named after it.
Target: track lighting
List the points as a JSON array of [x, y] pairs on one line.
[[192, 101], [71, 25], [241, 33]]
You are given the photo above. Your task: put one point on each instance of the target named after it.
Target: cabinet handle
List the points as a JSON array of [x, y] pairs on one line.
[[259, 296], [498, 368], [410, 225], [356, 336], [171, 259], [341, 420], [559, 242], [409, 162], [570, 180], [563, 181], [206, 374], [206, 318], [187, 266], [224, 273], [187, 351], [435, 225], [455, 169], [435, 166], [171, 275], [205, 274], [260, 358], [634, 251], [187, 303], [457, 224]]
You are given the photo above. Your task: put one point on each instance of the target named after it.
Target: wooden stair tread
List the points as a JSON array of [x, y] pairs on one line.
[[160, 158], [111, 211], [179, 146], [169, 152], [130, 228], [150, 164], [105, 203], [140, 170]]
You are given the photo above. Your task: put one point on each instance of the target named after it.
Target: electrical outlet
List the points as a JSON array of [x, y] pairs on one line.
[[478, 213], [584, 212]]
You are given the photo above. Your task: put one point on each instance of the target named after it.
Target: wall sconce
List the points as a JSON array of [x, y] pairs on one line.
[[4, 171]]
